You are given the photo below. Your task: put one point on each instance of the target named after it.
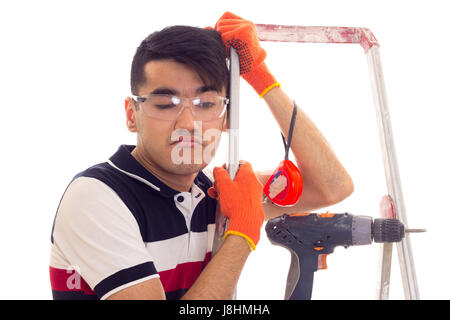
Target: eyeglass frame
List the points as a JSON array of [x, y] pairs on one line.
[[142, 99]]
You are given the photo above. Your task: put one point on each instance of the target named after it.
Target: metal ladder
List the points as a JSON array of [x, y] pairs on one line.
[[339, 35]]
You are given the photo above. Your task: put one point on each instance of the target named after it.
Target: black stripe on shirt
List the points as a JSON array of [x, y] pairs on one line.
[[124, 276]]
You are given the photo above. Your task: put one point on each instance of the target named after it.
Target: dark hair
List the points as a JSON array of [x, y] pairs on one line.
[[199, 48]]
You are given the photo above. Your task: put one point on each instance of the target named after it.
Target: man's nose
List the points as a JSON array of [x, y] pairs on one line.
[[185, 119]]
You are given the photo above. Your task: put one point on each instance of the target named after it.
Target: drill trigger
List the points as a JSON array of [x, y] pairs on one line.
[[322, 262]]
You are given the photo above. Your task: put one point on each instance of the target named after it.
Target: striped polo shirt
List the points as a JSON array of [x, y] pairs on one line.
[[118, 225]]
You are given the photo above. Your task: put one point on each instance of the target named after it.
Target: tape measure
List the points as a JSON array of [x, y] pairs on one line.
[[285, 186]]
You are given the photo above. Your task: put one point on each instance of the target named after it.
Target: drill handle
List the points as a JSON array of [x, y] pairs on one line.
[[301, 275]]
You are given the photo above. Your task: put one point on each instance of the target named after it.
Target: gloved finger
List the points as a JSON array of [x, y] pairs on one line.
[[213, 193], [222, 179], [234, 32], [231, 22], [244, 172], [247, 176], [229, 15], [223, 27], [246, 33], [225, 165]]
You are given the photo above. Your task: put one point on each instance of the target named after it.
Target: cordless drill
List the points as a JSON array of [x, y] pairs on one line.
[[310, 237]]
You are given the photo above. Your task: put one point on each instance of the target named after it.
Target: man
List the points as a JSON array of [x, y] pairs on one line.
[[141, 225]]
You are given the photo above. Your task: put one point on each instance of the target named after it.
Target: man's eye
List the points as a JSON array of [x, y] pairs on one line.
[[165, 106], [206, 105]]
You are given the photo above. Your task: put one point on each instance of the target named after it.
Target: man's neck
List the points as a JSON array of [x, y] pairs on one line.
[[177, 182]]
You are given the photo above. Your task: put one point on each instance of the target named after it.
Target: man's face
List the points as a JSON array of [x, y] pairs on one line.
[[168, 144]]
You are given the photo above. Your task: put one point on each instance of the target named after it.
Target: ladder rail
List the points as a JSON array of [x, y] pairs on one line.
[[232, 163], [392, 178]]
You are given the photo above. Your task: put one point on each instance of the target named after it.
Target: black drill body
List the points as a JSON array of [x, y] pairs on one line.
[[307, 236]]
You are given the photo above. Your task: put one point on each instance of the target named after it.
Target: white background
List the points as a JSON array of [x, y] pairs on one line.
[[64, 75]]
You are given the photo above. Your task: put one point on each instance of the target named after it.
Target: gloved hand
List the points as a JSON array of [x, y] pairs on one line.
[[241, 34], [240, 201]]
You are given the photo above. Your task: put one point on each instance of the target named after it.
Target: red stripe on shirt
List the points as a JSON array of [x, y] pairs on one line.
[[68, 280], [184, 275]]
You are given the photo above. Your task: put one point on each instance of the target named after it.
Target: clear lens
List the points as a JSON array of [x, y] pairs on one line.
[[205, 107]]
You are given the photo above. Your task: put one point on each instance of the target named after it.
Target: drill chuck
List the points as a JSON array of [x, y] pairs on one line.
[[387, 230], [366, 231]]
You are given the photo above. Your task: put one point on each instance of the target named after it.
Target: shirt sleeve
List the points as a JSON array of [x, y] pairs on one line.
[[99, 236]]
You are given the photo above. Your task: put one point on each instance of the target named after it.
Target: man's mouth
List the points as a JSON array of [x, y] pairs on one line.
[[187, 141]]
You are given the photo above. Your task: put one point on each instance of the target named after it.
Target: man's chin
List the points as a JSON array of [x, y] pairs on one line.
[[185, 169]]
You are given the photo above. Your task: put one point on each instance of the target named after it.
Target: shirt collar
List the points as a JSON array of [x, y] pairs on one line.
[[124, 161]]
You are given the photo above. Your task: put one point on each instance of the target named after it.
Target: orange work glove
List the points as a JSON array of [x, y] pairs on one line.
[[241, 35], [240, 201]]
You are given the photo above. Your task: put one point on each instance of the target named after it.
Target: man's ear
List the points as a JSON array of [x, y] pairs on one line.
[[130, 112]]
